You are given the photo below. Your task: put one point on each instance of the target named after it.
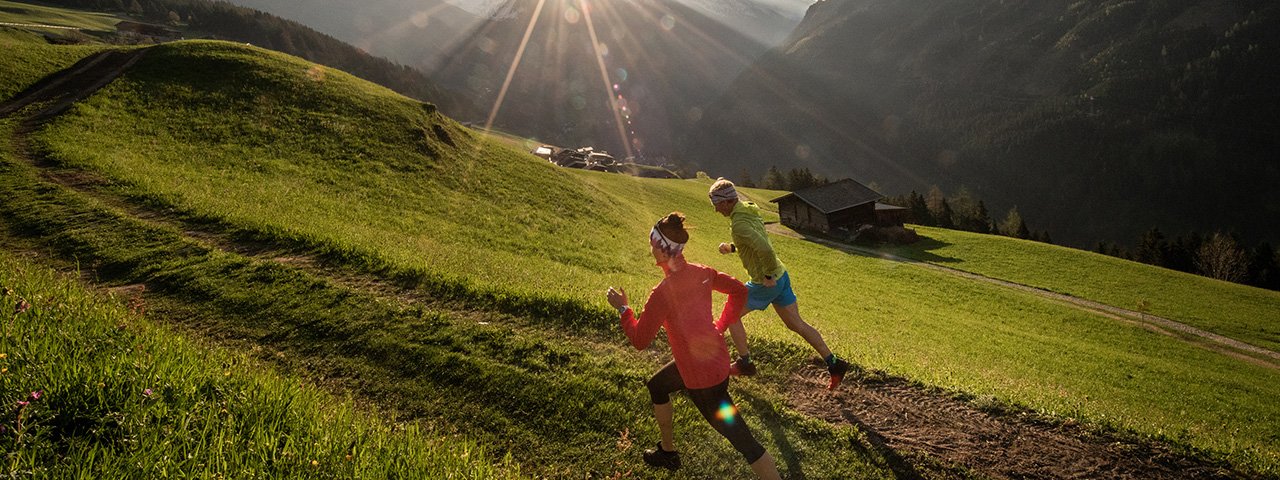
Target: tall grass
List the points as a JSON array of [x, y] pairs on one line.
[[90, 389], [291, 153]]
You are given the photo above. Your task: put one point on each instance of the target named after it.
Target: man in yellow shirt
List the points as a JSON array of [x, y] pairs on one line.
[[769, 284]]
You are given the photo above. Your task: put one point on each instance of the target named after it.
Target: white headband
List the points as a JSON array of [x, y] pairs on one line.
[[724, 193], [667, 245]]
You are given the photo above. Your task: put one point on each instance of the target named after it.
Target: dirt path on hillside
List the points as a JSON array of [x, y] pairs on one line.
[[1199, 337], [922, 433], [899, 417], [37, 25]]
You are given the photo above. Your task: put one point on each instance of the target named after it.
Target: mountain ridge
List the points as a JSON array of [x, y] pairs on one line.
[[1092, 118]]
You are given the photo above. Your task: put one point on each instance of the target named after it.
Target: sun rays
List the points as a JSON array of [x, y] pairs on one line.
[[511, 72], [584, 57], [579, 58], [609, 91]]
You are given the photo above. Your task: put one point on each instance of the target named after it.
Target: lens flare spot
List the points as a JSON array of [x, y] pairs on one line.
[[616, 87], [487, 45], [668, 22], [802, 151], [420, 19], [364, 24], [572, 15], [316, 73], [622, 74], [695, 114], [890, 126], [946, 158], [727, 413]]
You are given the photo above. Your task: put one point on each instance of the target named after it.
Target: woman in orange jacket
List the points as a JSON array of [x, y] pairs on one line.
[[681, 304]]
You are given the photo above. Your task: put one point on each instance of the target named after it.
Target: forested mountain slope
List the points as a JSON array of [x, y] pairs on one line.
[[1098, 119]]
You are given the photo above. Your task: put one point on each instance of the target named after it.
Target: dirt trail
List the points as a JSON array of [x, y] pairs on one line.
[[1229, 346], [74, 84], [923, 433], [901, 417]]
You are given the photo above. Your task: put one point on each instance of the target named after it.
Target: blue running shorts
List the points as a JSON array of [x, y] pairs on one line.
[[760, 296]]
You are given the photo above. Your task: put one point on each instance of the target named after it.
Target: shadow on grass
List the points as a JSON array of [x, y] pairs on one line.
[[901, 467], [920, 251], [871, 449], [875, 449], [770, 419]]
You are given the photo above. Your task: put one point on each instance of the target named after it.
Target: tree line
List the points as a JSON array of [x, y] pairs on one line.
[[774, 179], [934, 209], [226, 21], [1215, 255], [964, 212]]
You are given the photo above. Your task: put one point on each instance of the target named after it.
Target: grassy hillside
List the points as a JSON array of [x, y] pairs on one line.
[[270, 150], [93, 389], [27, 13], [27, 59], [543, 386], [1237, 311]]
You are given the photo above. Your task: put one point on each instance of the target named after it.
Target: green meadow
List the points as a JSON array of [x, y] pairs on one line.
[[33, 14], [1237, 311], [27, 59], [271, 150], [93, 389]]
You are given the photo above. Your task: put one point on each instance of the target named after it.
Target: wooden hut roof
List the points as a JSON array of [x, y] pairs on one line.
[[835, 196]]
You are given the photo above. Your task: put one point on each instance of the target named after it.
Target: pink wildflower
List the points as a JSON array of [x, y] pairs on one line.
[[146, 393], [35, 395]]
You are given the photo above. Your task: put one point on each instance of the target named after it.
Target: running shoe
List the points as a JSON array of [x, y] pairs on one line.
[[837, 371], [657, 457], [742, 367]]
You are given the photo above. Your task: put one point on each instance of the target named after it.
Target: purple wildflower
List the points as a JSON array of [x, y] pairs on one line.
[[35, 395]]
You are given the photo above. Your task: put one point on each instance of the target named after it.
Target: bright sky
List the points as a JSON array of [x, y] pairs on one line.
[[793, 7]]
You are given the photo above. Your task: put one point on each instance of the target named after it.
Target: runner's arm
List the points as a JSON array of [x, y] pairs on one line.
[[725, 283], [641, 329]]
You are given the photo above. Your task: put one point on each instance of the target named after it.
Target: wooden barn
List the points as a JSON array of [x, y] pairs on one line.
[[843, 205]]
